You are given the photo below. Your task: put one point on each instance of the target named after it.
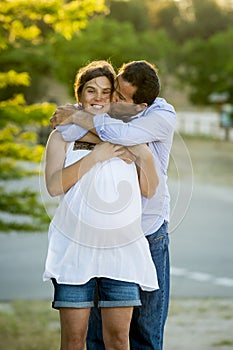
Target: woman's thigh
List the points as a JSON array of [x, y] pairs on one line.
[[73, 327], [117, 299], [115, 326], [74, 303]]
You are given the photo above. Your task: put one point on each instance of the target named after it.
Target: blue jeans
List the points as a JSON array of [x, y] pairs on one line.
[[148, 321]]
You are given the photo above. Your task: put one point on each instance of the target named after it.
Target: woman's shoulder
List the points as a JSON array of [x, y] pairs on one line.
[[55, 136]]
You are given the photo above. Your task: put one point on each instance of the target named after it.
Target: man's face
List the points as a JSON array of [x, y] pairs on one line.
[[124, 91]]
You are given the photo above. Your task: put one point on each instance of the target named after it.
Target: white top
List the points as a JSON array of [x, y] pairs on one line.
[[96, 230], [154, 125]]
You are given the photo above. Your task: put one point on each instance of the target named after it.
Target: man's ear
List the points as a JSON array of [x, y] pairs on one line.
[[141, 106]]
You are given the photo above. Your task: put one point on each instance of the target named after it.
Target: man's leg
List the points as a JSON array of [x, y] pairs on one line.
[[94, 338], [94, 334], [147, 325]]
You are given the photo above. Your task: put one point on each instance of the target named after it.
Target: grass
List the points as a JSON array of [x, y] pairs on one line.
[[204, 324], [224, 342], [29, 325]]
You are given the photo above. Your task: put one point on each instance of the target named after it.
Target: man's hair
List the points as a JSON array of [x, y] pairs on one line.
[[143, 75], [93, 70]]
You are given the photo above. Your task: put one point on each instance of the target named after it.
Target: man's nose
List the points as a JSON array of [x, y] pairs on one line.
[[115, 97]]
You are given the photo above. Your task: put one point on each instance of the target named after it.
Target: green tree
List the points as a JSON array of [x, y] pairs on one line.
[[196, 25], [188, 19], [206, 66], [132, 11], [121, 44], [28, 30]]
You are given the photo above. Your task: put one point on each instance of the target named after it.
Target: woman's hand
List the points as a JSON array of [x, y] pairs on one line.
[[106, 150]]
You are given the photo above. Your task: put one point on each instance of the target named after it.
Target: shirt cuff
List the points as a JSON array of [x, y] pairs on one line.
[[71, 132], [99, 124]]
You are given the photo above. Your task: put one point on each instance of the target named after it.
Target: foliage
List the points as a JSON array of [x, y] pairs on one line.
[[53, 39], [34, 115], [186, 20], [18, 142], [27, 33], [153, 30], [34, 20], [23, 203], [207, 66], [87, 47], [174, 27], [131, 12], [28, 30]]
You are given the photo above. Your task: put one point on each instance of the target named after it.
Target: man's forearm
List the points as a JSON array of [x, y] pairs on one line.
[[85, 120]]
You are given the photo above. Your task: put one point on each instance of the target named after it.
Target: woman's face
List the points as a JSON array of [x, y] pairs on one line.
[[96, 93]]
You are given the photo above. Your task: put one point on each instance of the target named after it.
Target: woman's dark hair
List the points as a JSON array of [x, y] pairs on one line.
[[93, 70], [143, 75]]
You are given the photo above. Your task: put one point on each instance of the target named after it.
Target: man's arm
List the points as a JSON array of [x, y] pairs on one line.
[[84, 117], [65, 115], [156, 123]]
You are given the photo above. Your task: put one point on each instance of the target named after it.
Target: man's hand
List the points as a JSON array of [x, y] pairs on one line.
[[69, 114], [62, 115]]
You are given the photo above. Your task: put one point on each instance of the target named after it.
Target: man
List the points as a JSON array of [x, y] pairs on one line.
[[137, 82]]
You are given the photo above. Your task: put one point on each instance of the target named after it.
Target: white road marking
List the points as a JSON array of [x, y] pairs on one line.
[[201, 277]]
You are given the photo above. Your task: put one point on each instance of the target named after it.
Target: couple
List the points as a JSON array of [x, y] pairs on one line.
[[137, 82]]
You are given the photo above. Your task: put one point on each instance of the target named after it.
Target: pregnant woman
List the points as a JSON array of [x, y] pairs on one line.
[[95, 236]]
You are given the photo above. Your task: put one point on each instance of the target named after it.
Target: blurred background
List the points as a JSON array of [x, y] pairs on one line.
[[42, 46]]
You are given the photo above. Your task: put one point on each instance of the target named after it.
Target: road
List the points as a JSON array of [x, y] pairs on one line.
[[201, 244]]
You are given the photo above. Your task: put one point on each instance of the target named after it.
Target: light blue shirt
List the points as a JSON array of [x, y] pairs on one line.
[[155, 125]]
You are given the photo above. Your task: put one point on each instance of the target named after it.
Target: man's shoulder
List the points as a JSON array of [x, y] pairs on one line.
[[161, 104], [162, 114]]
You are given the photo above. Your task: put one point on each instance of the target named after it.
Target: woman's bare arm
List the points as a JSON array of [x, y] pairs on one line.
[[147, 175], [59, 179], [91, 138]]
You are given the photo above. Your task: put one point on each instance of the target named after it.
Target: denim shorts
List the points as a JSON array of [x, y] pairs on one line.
[[112, 293]]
